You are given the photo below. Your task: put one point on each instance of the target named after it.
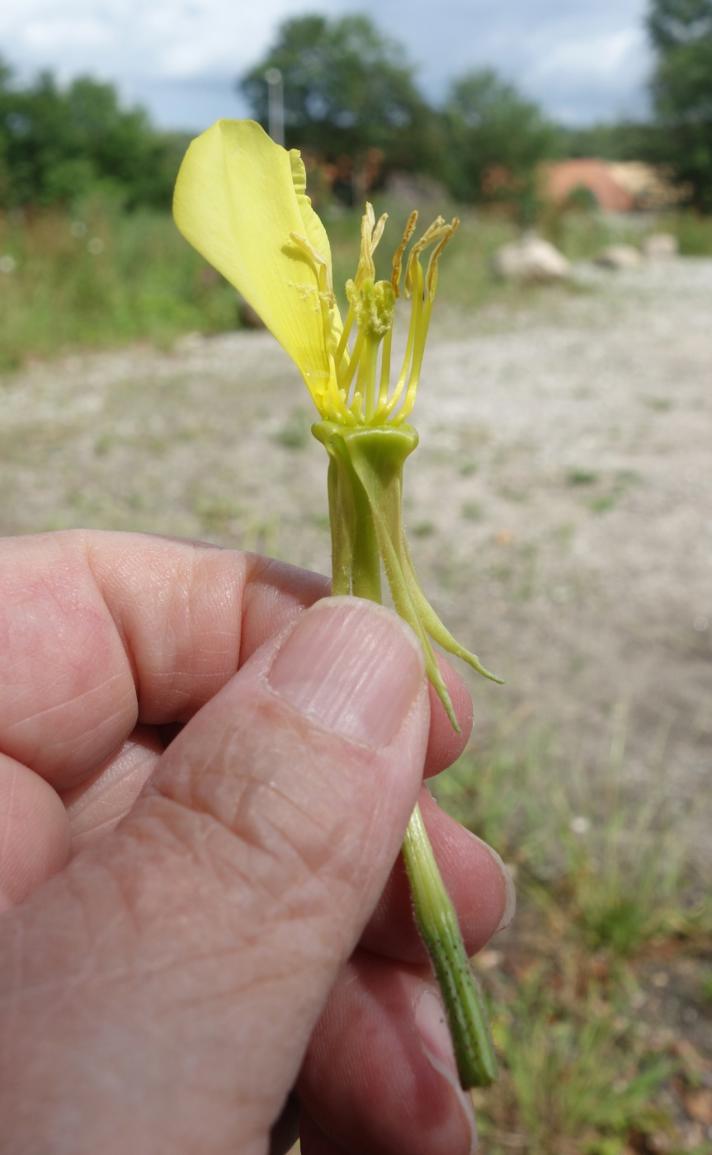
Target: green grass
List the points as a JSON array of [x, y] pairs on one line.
[[100, 280], [295, 432], [580, 476], [607, 890], [577, 1077], [693, 232]]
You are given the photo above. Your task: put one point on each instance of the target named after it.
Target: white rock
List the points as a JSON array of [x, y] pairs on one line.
[[620, 257], [530, 259], [660, 246]]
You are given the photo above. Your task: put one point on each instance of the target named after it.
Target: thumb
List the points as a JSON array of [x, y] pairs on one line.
[[217, 915]]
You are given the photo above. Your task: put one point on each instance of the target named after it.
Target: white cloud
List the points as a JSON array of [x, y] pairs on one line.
[[42, 37], [600, 57], [163, 38]]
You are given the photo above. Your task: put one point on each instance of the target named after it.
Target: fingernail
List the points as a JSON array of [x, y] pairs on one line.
[[351, 666], [510, 892], [437, 1047]]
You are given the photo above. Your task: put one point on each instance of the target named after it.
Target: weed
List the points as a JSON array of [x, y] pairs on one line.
[[467, 468], [320, 521], [577, 1077], [216, 513], [472, 511], [128, 277], [513, 493], [423, 529], [614, 865], [604, 502], [693, 232], [658, 404], [618, 486], [564, 534], [706, 987], [578, 476], [295, 434]]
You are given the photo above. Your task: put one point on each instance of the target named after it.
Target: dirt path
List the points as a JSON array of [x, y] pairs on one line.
[[560, 509]]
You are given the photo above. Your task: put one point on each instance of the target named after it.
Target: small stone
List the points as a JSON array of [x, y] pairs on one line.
[[660, 247], [620, 257], [488, 960], [531, 260]]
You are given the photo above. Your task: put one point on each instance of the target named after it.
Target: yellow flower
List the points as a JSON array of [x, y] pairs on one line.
[[240, 199]]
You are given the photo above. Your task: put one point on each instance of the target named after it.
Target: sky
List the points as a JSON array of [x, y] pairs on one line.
[[581, 62]]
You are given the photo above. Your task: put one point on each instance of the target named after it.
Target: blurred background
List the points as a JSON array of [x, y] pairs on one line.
[[559, 506]]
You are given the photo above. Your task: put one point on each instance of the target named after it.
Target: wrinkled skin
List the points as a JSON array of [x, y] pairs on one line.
[[203, 928]]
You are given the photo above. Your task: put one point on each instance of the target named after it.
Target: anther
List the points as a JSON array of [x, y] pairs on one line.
[[431, 276], [397, 264]]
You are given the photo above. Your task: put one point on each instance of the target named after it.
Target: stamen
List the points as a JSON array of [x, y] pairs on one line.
[[348, 376], [319, 264], [418, 353], [322, 270], [366, 267], [397, 264], [403, 376], [332, 392], [367, 377], [371, 233], [385, 370], [431, 276], [345, 334], [378, 231], [433, 233]]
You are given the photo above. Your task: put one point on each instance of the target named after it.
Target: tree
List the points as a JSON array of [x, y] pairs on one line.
[[622, 140], [496, 140], [347, 88], [681, 35], [59, 144]]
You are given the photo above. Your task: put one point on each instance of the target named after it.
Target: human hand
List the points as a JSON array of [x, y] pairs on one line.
[[203, 787]]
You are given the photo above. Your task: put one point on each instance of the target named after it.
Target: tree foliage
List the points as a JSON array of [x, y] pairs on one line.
[[496, 138], [57, 145], [681, 35], [347, 88], [622, 140]]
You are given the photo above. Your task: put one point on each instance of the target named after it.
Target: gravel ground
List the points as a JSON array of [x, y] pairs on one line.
[[560, 504]]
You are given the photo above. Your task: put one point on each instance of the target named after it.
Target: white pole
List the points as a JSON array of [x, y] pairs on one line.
[[275, 104]]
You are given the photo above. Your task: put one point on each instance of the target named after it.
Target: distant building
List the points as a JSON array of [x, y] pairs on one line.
[[615, 186]]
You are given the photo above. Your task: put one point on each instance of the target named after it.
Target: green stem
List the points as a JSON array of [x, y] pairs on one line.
[[365, 470], [438, 926]]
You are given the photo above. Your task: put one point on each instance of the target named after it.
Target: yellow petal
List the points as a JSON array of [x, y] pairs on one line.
[[238, 199]]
